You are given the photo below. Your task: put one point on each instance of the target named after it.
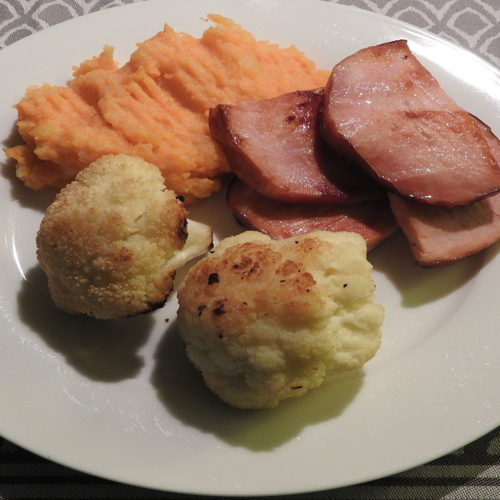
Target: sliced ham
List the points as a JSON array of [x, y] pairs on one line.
[[383, 107], [440, 235], [490, 137], [274, 146], [372, 219]]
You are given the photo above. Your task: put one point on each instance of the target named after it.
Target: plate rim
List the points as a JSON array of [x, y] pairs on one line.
[[64, 27]]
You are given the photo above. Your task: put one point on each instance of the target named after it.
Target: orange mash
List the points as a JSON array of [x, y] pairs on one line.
[[155, 106]]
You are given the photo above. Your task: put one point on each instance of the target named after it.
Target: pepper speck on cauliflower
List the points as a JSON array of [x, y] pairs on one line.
[[265, 320], [112, 239]]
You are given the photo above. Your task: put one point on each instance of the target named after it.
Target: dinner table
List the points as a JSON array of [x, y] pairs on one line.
[[469, 472]]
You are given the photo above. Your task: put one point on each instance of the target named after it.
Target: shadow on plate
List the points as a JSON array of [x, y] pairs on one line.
[[26, 197], [181, 390], [106, 351], [214, 212], [14, 138], [419, 285]]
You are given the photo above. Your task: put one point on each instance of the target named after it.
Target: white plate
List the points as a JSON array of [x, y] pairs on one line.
[[119, 399]]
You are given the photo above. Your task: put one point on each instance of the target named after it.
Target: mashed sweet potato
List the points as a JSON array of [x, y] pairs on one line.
[[154, 107]]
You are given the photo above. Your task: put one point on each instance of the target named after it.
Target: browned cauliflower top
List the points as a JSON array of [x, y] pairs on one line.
[[106, 241], [265, 320]]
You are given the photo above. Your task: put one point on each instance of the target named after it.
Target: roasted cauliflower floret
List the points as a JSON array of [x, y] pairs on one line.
[[265, 320], [112, 239]]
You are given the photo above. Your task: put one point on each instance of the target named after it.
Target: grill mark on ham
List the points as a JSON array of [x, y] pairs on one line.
[[440, 235], [383, 108], [275, 146], [373, 219]]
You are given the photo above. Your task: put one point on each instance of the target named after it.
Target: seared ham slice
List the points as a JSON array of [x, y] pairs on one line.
[[490, 137], [274, 146], [439, 235], [382, 106], [372, 219]]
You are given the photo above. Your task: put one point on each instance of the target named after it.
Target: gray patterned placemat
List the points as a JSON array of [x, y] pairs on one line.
[[21, 18], [474, 24], [472, 472]]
